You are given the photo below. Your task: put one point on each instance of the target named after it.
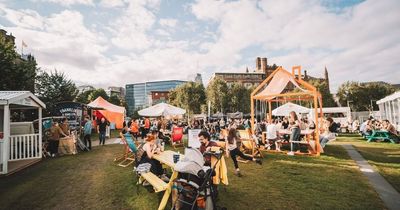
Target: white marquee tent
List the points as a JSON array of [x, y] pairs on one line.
[[285, 109], [162, 109], [389, 108]]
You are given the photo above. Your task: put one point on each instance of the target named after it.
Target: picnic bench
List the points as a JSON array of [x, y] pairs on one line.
[[381, 135], [165, 158]]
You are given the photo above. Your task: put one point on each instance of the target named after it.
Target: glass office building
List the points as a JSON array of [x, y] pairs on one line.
[[137, 94]]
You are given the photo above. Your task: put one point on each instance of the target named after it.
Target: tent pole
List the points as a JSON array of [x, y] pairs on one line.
[[316, 124]]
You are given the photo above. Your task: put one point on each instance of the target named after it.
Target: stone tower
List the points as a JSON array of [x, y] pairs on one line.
[[327, 78]]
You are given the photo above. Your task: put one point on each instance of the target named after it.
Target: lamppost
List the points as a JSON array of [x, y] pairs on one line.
[[372, 106], [348, 104]]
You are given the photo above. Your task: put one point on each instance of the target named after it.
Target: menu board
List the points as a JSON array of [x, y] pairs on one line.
[[193, 138]]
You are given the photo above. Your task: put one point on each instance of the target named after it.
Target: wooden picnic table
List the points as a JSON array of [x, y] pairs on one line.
[[380, 135], [166, 158]]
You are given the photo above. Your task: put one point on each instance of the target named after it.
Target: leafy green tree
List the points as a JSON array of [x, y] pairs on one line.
[[360, 95], [54, 87], [217, 93], [327, 97], [239, 98], [114, 99], [16, 73], [190, 96], [96, 93], [84, 96]]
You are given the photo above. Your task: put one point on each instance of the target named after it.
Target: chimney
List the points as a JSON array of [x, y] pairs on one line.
[[258, 64], [264, 65], [305, 74]]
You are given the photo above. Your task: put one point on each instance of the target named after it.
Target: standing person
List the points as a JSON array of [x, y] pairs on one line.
[[233, 150], [101, 129], [146, 127], [87, 131], [294, 126], [55, 133], [65, 126], [134, 129]]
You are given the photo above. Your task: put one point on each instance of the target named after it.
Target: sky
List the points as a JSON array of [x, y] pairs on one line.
[[117, 42]]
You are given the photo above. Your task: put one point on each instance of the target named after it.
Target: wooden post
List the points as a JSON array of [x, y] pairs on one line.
[[252, 112], [316, 123], [6, 138], [269, 109], [40, 131]]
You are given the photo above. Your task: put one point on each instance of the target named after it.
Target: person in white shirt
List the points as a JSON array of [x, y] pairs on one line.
[[273, 135]]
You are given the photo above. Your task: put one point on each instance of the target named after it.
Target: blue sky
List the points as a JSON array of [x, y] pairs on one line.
[[115, 42]]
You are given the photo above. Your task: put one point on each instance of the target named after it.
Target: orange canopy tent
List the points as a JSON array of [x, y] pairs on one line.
[[273, 89], [111, 112]]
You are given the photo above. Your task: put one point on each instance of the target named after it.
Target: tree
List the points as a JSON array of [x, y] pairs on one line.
[[84, 96], [217, 93], [239, 98], [16, 73], [114, 99], [361, 95], [327, 97], [54, 87], [190, 96], [96, 93]]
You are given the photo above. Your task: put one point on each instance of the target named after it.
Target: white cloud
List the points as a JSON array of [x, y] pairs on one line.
[[356, 43], [130, 29], [68, 2], [111, 3], [357, 39], [168, 22]]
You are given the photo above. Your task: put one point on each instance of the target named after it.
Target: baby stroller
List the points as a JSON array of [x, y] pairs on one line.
[[193, 189]]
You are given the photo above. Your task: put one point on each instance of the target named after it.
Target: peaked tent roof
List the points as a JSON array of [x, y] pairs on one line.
[[9, 97], [391, 97], [102, 103], [161, 109], [277, 85], [285, 109]]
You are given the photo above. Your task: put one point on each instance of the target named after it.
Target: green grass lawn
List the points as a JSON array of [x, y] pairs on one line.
[[385, 157], [92, 181]]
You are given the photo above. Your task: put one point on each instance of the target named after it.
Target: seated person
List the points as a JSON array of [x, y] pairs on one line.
[[329, 130], [206, 145], [127, 137], [150, 148], [386, 125], [272, 135]]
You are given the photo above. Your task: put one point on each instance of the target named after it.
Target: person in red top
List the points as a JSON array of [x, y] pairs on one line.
[[206, 144], [135, 128], [146, 127]]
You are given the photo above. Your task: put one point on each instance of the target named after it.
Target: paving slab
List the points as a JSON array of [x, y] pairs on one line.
[[386, 192]]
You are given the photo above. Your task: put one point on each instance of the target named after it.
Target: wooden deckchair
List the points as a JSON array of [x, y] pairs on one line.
[[248, 145], [128, 157]]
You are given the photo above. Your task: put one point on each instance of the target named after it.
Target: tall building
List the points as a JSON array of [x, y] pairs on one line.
[[137, 94], [119, 91], [8, 38], [247, 78], [84, 88]]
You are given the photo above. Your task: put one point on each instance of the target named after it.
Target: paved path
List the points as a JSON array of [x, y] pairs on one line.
[[386, 192], [108, 141]]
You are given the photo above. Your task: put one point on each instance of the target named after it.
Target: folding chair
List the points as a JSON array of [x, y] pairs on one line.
[[129, 153], [177, 137], [248, 145]]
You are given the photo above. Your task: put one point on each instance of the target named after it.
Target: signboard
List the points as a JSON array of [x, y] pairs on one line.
[[72, 111], [193, 138]]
